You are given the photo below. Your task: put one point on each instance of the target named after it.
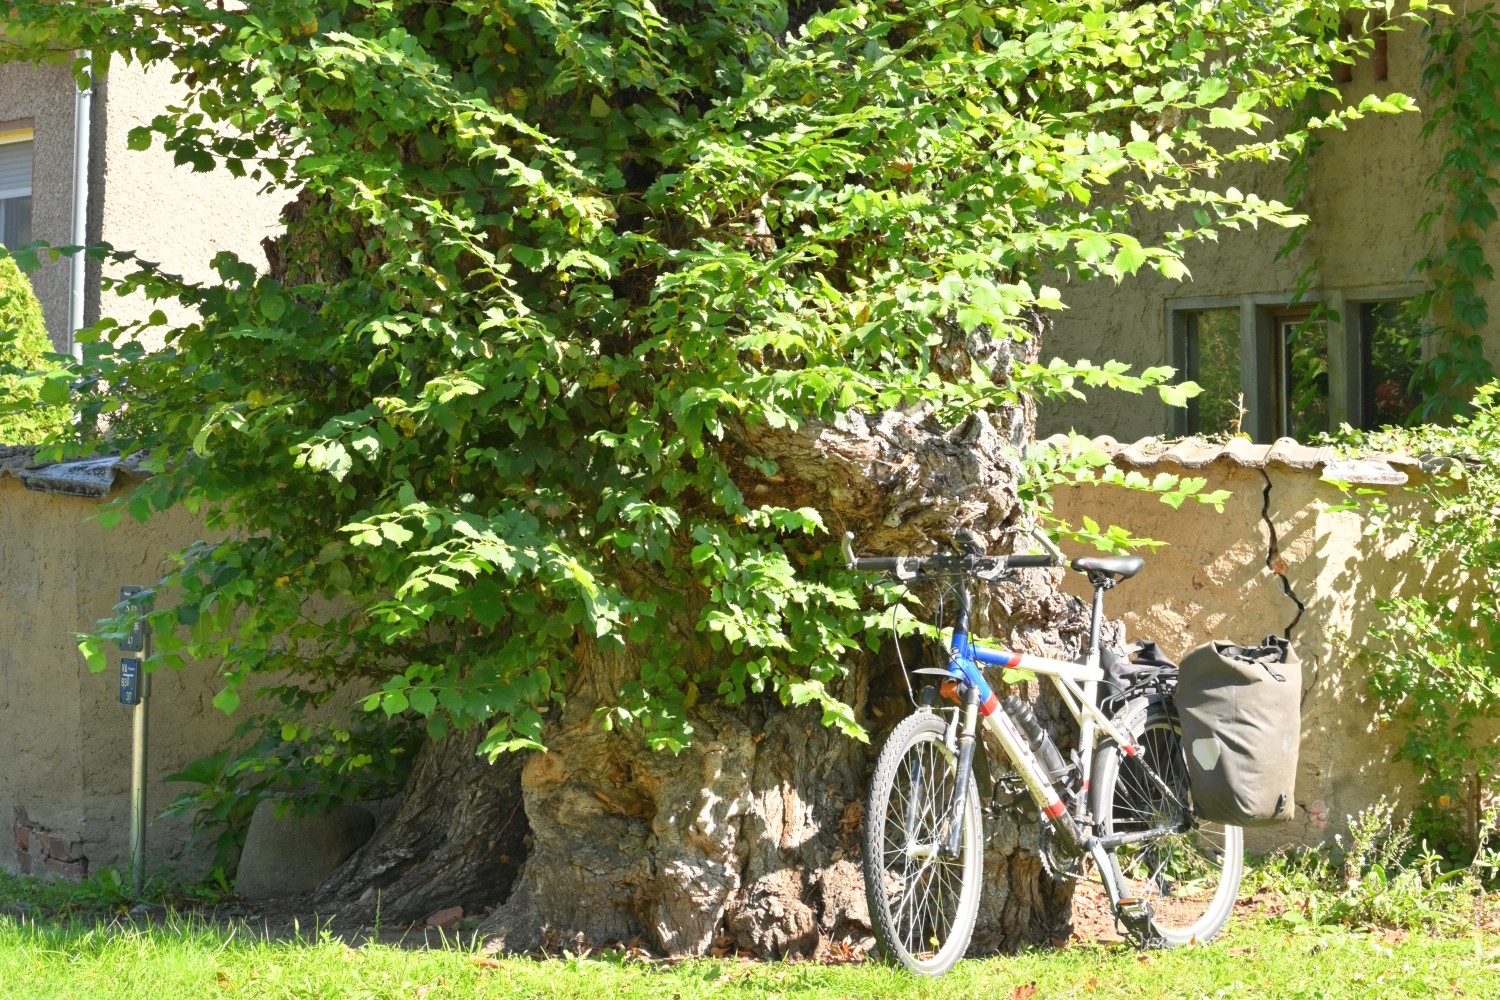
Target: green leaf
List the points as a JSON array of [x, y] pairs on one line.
[[1231, 118], [395, 532], [1094, 248], [1130, 257], [55, 389], [273, 307], [93, 655], [1211, 91], [423, 700]]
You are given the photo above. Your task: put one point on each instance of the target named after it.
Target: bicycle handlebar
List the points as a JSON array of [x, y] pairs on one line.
[[909, 566]]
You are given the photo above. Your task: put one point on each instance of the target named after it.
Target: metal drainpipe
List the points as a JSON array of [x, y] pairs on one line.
[[82, 138]]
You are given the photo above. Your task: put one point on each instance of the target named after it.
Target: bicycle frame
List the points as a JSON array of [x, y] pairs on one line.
[[1078, 686]]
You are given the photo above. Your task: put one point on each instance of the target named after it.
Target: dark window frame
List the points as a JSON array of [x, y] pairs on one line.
[[1262, 379]]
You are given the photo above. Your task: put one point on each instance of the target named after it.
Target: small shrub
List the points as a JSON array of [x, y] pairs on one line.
[[1434, 662], [24, 349], [310, 768]]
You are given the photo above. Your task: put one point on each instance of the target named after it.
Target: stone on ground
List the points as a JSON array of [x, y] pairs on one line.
[[291, 855]]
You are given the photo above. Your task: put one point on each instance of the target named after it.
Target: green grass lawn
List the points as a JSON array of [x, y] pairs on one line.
[[86, 958]]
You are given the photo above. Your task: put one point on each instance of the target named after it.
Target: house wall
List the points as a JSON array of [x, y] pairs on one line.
[[65, 740], [43, 96], [1365, 197], [164, 212], [1241, 574], [138, 200]]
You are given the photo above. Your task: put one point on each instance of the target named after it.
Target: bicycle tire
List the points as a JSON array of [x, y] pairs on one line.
[[922, 905], [1191, 873]]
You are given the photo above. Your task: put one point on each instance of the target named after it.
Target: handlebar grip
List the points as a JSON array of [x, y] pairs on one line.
[[874, 564], [1024, 562]]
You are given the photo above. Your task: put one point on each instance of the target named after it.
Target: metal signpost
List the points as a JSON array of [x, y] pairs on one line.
[[135, 690]]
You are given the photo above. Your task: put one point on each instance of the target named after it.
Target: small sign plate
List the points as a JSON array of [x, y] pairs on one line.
[[135, 642], [130, 680]]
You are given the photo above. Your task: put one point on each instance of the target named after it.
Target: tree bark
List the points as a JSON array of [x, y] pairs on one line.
[[458, 836]]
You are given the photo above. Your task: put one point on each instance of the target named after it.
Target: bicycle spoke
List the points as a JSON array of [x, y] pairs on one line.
[[1189, 870]]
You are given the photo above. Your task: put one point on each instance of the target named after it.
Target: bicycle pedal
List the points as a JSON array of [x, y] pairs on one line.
[[1133, 916]]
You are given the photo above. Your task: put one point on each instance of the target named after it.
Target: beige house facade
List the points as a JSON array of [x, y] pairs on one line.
[[1285, 556], [1238, 325], [68, 178]]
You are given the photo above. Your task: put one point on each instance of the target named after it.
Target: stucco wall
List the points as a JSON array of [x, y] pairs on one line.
[[64, 737], [1364, 199], [1241, 575], [164, 212], [138, 200]]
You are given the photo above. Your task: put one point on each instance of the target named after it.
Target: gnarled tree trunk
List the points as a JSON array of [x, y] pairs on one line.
[[749, 838], [458, 836]]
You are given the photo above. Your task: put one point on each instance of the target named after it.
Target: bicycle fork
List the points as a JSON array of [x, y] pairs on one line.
[[981, 704], [967, 737]]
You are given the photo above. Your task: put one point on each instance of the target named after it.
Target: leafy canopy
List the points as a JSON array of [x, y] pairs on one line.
[[548, 260]]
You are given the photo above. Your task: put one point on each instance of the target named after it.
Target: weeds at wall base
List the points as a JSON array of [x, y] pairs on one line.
[[1384, 877]]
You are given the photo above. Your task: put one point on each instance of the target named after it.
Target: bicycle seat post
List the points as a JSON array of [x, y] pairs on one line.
[[1096, 618]]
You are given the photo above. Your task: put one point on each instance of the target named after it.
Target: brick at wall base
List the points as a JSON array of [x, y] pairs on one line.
[[39, 853], [55, 847], [77, 870]]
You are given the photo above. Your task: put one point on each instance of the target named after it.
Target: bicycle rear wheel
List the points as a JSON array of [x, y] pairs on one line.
[[1187, 869], [922, 904]]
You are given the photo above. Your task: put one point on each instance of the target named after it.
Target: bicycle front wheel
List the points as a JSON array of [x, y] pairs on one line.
[[922, 903], [1187, 869]]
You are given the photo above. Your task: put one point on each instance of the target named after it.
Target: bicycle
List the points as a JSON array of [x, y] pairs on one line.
[[1123, 802]]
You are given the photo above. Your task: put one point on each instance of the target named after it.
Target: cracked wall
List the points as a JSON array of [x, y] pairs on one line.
[[1278, 560]]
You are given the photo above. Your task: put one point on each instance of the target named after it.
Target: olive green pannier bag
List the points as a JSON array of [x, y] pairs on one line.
[[1241, 714]]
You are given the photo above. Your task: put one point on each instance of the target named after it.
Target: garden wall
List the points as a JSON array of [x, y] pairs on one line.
[[64, 737], [1279, 559]]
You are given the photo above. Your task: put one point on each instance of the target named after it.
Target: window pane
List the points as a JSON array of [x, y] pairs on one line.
[[1391, 342], [15, 222], [1213, 361], [1303, 377], [15, 193]]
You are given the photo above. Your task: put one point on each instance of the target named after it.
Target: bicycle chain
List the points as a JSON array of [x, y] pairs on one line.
[[1057, 865]]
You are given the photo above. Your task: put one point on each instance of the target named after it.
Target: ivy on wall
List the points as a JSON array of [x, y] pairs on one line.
[[1461, 77]]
